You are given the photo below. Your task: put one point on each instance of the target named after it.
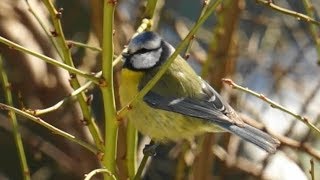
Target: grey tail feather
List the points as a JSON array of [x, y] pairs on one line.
[[253, 135]]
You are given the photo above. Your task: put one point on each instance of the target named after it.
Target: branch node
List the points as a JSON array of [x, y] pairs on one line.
[[119, 118], [69, 44], [54, 33], [228, 82], [263, 97], [100, 156], [59, 13], [84, 122], [113, 2], [102, 82], [186, 57], [30, 111]]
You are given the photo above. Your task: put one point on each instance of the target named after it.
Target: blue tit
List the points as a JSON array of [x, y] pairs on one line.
[[181, 105]]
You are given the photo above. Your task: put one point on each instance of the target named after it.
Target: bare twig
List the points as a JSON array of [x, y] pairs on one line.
[[312, 169], [282, 10], [49, 60], [70, 42], [285, 141], [273, 104], [51, 128], [15, 126], [241, 163], [58, 35], [97, 171]]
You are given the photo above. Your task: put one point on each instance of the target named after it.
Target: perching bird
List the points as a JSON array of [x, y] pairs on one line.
[[181, 105]]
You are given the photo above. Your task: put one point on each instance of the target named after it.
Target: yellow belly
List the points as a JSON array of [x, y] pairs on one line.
[[160, 125]]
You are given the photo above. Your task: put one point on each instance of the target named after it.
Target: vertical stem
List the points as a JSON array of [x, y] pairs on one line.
[[203, 10], [132, 139], [67, 59], [15, 127], [151, 6], [111, 125], [313, 28], [312, 169]]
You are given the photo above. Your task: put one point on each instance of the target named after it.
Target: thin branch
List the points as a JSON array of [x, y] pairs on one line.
[[79, 44], [33, 12], [204, 9], [141, 167], [150, 8], [313, 28], [312, 169], [15, 126], [82, 99], [51, 128], [299, 16], [241, 163], [97, 171], [57, 33], [72, 96], [49, 60], [273, 104], [285, 141]]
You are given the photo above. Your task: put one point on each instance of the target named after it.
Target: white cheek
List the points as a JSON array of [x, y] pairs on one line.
[[146, 60]]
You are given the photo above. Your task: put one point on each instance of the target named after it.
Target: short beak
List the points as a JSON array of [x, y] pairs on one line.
[[125, 55]]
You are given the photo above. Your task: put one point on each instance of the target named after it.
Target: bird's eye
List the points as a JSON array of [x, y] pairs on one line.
[[142, 50]]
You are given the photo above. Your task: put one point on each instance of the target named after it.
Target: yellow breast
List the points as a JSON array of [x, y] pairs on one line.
[[160, 125]]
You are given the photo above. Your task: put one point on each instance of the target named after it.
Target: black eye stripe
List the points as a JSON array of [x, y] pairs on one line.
[[144, 50], [140, 51]]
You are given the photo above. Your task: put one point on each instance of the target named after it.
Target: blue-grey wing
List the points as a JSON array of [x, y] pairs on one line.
[[212, 108], [187, 106]]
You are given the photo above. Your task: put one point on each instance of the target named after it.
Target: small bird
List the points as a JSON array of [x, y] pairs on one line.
[[181, 105]]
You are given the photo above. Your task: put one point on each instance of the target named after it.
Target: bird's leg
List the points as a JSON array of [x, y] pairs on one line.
[[150, 149]]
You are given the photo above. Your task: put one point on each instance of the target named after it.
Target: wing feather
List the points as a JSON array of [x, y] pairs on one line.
[[179, 91]]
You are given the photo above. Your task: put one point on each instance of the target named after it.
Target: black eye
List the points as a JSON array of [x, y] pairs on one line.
[[143, 50]]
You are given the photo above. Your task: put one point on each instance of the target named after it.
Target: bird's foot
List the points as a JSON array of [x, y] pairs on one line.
[[150, 149]]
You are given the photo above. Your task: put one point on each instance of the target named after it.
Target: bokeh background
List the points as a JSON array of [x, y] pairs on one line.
[[258, 47]]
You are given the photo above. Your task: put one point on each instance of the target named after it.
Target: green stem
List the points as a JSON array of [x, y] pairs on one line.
[[111, 124], [204, 9], [32, 11], [150, 8], [82, 99], [49, 60], [131, 156], [15, 126], [79, 44], [51, 128], [313, 28]]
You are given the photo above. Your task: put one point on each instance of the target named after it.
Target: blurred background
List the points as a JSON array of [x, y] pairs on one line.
[[257, 47]]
